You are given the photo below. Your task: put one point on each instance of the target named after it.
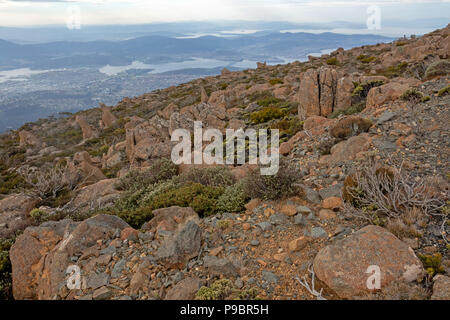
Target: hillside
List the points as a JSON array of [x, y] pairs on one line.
[[363, 185]]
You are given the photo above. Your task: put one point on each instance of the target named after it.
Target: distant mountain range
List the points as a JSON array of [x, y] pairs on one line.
[[163, 49]]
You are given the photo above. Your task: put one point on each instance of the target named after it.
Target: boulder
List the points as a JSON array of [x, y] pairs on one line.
[[343, 266], [27, 138], [176, 251], [441, 288], [14, 213], [391, 91], [98, 195], [184, 290], [169, 219], [108, 119]]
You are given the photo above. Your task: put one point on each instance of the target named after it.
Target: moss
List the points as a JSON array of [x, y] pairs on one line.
[[269, 101], [223, 224], [266, 114]]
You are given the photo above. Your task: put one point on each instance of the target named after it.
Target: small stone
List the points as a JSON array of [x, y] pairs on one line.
[[102, 293], [280, 256], [327, 214], [246, 226], [279, 219], [300, 220], [215, 251], [254, 243], [269, 277], [318, 232], [265, 226], [303, 209], [239, 283], [298, 244], [289, 210], [332, 203]]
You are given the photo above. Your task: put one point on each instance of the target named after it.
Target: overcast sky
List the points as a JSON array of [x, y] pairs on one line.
[[45, 12]]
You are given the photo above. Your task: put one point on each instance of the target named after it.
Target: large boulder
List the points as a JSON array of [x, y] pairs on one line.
[[108, 119], [88, 132], [14, 213], [98, 195], [41, 255], [391, 91], [27, 138], [344, 265]]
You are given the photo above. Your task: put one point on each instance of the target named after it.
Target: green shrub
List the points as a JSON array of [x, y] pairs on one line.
[[438, 68], [209, 176], [432, 263], [269, 101], [219, 290], [332, 61], [160, 170], [39, 216], [444, 91], [5, 269], [223, 86], [366, 59], [395, 71], [272, 187], [266, 114], [233, 199], [414, 95], [356, 108], [275, 81], [289, 126]]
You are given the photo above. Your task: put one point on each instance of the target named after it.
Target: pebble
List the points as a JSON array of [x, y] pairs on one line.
[[254, 243]]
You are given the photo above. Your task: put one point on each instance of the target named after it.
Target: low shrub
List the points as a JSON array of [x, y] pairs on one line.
[[219, 290], [160, 170], [354, 109], [210, 176], [438, 68], [266, 114], [275, 81], [233, 199], [414, 95], [432, 263], [272, 187], [289, 125], [366, 59], [332, 61], [350, 126], [444, 91], [5, 269]]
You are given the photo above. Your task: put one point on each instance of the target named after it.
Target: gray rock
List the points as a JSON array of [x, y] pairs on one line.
[[118, 268], [312, 195], [178, 250], [239, 283], [178, 277], [98, 280], [109, 250], [254, 243], [300, 220], [269, 277], [220, 266], [279, 219], [251, 281], [265, 226], [317, 232], [386, 116], [332, 191], [102, 293], [303, 209]]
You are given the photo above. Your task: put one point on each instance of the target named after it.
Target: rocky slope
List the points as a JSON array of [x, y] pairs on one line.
[[364, 182]]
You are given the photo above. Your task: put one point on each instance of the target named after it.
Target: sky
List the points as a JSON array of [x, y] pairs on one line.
[[99, 12]]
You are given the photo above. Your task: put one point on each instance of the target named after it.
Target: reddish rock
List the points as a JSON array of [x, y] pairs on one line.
[[129, 234], [184, 290], [342, 266], [14, 213], [332, 203], [298, 244], [170, 219], [441, 288]]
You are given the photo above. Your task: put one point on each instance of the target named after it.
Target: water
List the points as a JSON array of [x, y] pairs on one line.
[[22, 74]]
